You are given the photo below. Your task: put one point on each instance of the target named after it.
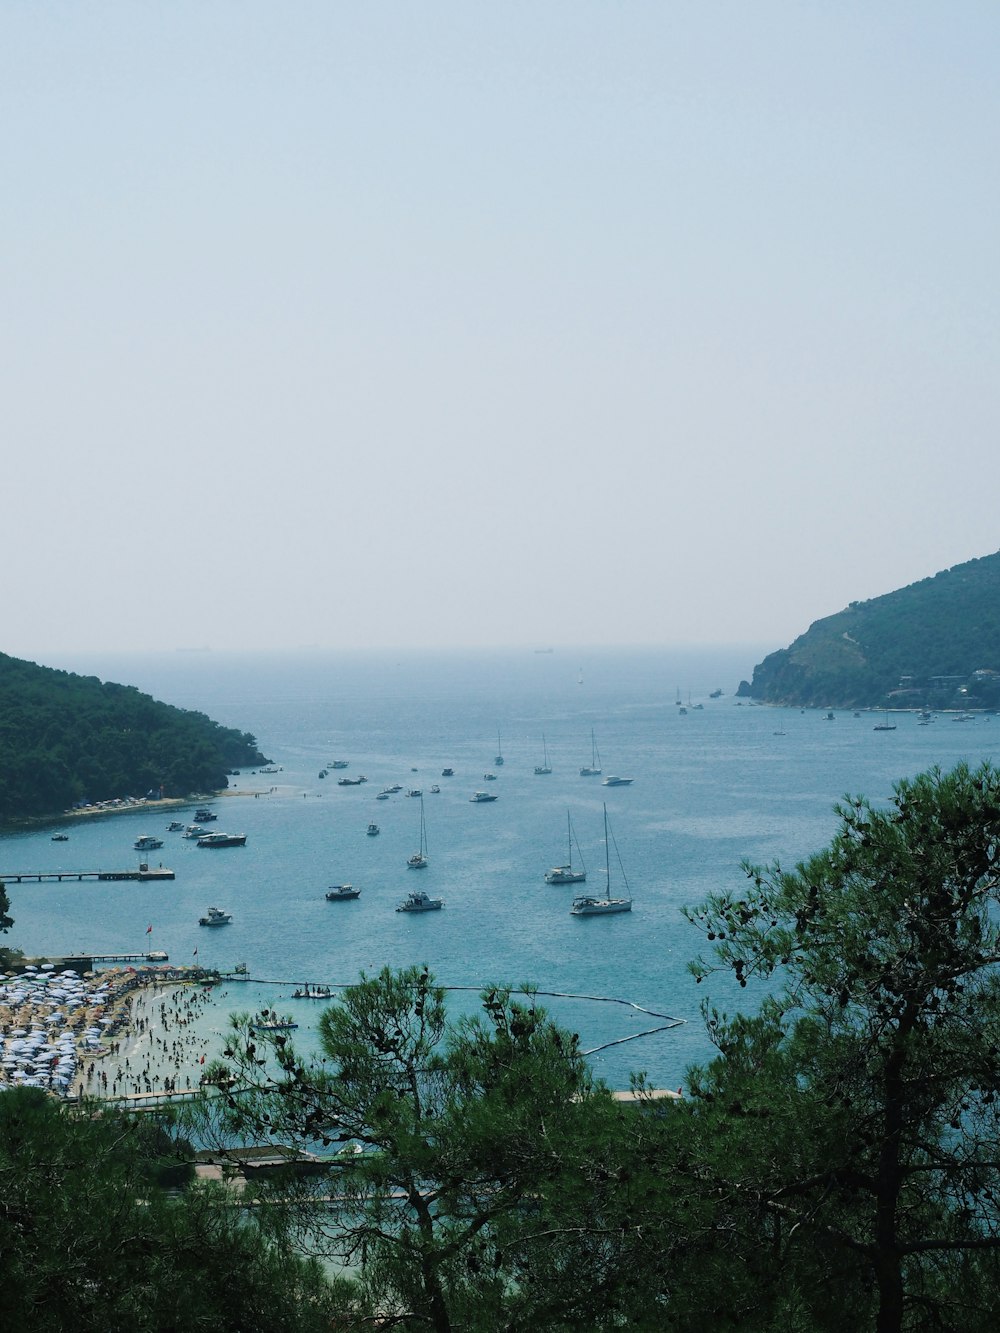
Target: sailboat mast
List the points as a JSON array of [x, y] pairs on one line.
[[607, 855]]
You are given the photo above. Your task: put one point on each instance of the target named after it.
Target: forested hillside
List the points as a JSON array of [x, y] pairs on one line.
[[933, 644], [66, 738]]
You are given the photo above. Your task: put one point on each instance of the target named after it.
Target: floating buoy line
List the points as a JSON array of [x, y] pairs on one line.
[[670, 1021]]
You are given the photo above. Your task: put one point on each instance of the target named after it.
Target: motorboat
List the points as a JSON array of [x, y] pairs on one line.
[[286, 1024], [419, 902], [616, 781], [222, 840], [593, 904], [194, 831], [447, 772], [435, 790], [567, 874], [396, 786], [415, 791], [175, 826], [481, 797], [203, 815], [147, 843], [60, 837], [382, 796], [338, 763], [373, 830], [351, 782], [341, 892], [489, 777], [215, 917]]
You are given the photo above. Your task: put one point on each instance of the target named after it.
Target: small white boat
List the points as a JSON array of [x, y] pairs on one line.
[[194, 831], [147, 843], [419, 902], [338, 763], [616, 781], [351, 782], [592, 904], [414, 791], [340, 892], [215, 917], [481, 797], [435, 790], [175, 826]]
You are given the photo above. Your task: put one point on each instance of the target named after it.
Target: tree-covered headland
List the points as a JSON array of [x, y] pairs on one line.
[[933, 644], [67, 739], [834, 1166]]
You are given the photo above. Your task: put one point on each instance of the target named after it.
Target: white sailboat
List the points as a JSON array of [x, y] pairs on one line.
[[543, 767], [498, 761], [593, 769], [566, 874], [589, 905], [419, 859]]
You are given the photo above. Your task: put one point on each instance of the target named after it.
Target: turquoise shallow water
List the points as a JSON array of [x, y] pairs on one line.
[[711, 786]]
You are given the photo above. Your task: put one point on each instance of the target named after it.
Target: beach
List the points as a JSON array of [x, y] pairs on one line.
[[113, 1033]]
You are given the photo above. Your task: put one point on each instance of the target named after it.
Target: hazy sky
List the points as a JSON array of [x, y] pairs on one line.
[[537, 323]]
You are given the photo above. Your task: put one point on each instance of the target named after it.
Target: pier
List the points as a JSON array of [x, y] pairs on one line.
[[142, 873]]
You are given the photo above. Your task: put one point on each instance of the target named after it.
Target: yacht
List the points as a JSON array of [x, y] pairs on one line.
[[592, 904], [341, 892], [419, 902], [194, 831], [447, 772], [147, 843], [203, 816], [338, 763], [566, 874], [593, 769], [482, 796], [222, 840], [60, 837], [617, 782], [414, 791], [215, 917], [351, 782], [175, 826], [418, 861], [543, 767]]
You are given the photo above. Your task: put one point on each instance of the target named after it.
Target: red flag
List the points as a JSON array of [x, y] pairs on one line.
[[149, 930]]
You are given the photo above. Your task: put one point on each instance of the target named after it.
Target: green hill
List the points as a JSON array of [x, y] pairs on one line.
[[67, 739], [933, 644]]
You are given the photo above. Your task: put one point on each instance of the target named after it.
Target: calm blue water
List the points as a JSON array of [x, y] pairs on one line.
[[710, 788]]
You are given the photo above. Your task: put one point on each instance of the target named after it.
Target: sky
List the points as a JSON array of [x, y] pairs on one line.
[[465, 324]]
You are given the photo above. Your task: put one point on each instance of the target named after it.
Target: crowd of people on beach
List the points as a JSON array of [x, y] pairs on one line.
[[115, 1032]]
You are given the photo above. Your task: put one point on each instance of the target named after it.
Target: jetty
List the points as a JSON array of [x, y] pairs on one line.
[[142, 872]]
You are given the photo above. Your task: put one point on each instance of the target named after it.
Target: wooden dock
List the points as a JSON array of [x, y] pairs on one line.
[[142, 873]]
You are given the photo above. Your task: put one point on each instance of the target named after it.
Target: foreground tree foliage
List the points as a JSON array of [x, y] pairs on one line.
[[89, 1241], [852, 1123], [485, 1181]]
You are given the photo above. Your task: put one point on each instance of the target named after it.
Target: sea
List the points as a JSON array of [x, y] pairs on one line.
[[716, 780]]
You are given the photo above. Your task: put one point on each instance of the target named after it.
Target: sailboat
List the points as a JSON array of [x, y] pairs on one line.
[[498, 761], [593, 769], [886, 725], [588, 905], [566, 874], [419, 859], [543, 767]]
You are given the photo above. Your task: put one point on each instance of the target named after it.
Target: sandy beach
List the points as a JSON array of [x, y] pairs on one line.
[[115, 1032]]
